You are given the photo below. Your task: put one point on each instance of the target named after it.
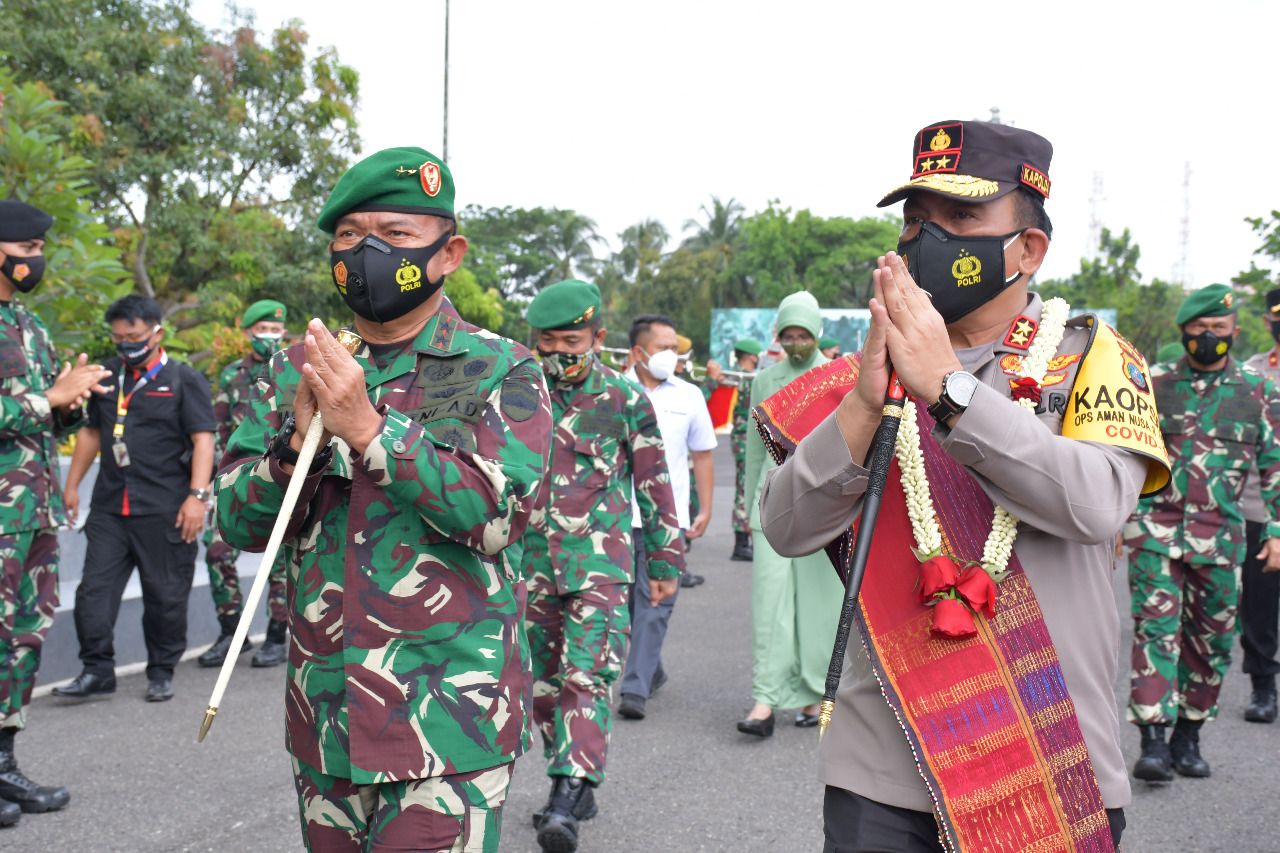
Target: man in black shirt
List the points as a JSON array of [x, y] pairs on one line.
[[154, 426]]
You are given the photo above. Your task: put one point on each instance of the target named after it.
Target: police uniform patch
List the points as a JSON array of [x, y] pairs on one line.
[[1021, 333], [1035, 179], [938, 149]]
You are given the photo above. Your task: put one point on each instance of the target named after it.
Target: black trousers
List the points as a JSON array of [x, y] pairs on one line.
[[854, 824], [116, 545], [1259, 608]]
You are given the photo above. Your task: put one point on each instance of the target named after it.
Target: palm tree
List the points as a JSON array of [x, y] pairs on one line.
[[720, 232], [642, 246], [570, 241]]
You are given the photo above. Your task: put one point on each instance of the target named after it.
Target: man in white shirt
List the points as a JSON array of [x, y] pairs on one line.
[[687, 432]]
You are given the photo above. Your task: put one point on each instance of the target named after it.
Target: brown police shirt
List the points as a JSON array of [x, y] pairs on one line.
[[1072, 497], [1251, 501]]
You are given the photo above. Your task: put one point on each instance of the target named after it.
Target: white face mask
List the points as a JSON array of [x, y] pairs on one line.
[[662, 364]]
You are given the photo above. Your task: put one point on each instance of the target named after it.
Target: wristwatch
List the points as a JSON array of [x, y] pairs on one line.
[[286, 455], [957, 392], [202, 494]]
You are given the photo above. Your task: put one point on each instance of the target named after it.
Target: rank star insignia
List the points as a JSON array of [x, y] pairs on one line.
[[1021, 333]]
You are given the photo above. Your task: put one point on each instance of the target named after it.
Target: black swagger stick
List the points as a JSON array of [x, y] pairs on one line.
[[879, 458]]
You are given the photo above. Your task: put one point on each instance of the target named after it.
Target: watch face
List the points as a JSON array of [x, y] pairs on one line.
[[960, 388]]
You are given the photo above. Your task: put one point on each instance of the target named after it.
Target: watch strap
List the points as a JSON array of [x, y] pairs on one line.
[[945, 407]]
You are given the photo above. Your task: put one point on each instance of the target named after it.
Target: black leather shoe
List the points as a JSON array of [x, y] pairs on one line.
[[1155, 764], [30, 797], [1262, 704], [86, 685], [1184, 746], [160, 690], [10, 813], [631, 706], [585, 810], [757, 728], [571, 801], [689, 579], [271, 654], [742, 550], [806, 721]]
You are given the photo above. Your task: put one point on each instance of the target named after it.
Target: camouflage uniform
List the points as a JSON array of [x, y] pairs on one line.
[[408, 659], [30, 503], [578, 560], [1188, 540], [738, 443], [230, 407]]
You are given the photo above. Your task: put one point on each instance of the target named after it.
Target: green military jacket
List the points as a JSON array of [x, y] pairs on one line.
[[606, 443], [409, 657], [1216, 427], [231, 401], [30, 479]]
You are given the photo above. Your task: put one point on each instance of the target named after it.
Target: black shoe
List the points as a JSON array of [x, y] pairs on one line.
[[571, 801], [159, 690], [16, 789], [1184, 746], [742, 550], [631, 706], [689, 579], [217, 653], [806, 721], [757, 728], [586, 804], [1155, 764], [1262, 704], [274, 650], [659, 679], [87, 684], [9, 813]]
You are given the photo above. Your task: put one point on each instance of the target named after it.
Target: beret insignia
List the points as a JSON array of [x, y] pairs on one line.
[[430, 174]]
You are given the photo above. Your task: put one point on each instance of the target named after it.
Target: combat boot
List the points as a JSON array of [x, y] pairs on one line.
[[1262, 704], [9, 813], [274, 649], [572, 800], [742, 550], [217, 653], [1155, 763], [18, 789], [1185, 748]]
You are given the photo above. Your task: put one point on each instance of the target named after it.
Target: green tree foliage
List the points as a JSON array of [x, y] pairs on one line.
[[779, 254], [213, 152], [1253, 284], [83, 271], [1144, 311], [475, 304]]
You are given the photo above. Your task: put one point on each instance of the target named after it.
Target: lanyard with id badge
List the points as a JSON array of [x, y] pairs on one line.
[[118, 447]]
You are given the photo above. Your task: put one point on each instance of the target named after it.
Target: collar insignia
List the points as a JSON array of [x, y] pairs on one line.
[[1021, 333]]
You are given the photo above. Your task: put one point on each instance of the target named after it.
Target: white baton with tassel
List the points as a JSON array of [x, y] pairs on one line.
[[350, 341]]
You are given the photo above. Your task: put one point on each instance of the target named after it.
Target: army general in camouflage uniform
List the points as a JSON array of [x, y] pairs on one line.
[[1218, 422], [577, 554], [746, 352], [263, 324], [38, 404], [408, 691]]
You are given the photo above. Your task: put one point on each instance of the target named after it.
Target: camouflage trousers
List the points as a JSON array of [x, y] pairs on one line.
[[461, 813], [741, 517], [578, 643], [1183, 629], [224, 580], [28, 598]]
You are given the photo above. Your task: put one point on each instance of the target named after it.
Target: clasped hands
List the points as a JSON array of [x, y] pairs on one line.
[[333, 384], [909, 332]]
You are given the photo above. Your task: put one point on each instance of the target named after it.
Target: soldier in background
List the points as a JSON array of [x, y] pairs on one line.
[[39, 403], [408, 671], [263, 324], [1260, 588], [829, 347], [1219, 421], [578, 551], [746, 353]]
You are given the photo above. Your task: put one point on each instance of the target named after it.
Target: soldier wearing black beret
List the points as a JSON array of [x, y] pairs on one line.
[[40, 402]]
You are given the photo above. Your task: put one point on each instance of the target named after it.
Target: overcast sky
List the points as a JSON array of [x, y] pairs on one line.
[[625, 110]]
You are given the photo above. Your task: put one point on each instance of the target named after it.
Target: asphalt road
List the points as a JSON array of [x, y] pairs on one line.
[[682, 779]]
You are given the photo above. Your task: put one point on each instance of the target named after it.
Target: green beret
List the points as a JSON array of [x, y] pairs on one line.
[[20, 221], [568, 304], [747, 345], [1170, 351], [263, 309], [400, 180], [1214, 300], [828, 342]]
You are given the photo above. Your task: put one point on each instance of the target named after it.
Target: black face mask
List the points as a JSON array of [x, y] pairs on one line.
[[382, 282], [25, 273], [136, 354], [1275, 329], [961, 273], [1206, 348]]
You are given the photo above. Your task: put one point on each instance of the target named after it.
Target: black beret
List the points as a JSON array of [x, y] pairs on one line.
[[20, 221]]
